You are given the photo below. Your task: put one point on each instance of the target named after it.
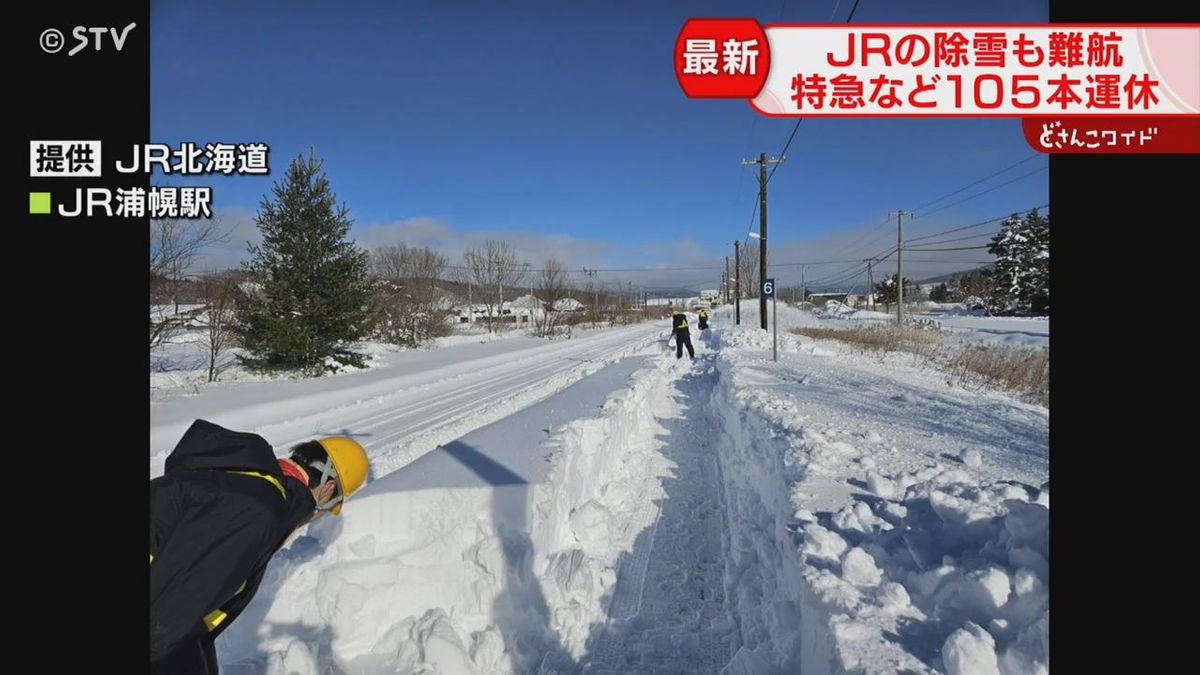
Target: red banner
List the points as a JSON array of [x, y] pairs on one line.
[[1111, 135], [722, 58], [1086, 88]]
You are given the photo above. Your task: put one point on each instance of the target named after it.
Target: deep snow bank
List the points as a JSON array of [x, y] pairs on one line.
[[487, 575], [839, 566]]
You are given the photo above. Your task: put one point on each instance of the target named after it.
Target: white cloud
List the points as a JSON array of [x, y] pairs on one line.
[[616, 258], [237, 223]]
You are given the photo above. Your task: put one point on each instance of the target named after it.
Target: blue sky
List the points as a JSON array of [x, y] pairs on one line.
[[561, 129]]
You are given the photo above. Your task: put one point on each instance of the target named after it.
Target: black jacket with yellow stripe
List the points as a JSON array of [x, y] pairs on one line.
[[679, 324], [220, 511]]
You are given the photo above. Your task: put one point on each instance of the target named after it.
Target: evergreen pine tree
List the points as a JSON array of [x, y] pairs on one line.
[[1021, 274], [311, 291], [887, 292]]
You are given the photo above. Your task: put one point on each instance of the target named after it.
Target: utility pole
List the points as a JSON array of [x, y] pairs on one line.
[[737, 283], [870, 285], [588, 274], [727, 280], [803, 288], [591, 273], [899, 268], [762, 229]]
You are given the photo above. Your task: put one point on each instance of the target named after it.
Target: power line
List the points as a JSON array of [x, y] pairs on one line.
[[787, 145], [817, 262], [835, 8], [984, 192], [969, 236], [851, 271], [862, 239], [884, 254], [868, 235], [826, 280], [792, 136], [991, 175], [753, 126], [968, 227], [953, 262], [960, 248], [850, 275]]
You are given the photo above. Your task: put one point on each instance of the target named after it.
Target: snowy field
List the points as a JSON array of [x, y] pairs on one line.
[[593, 505], [964, 325], [407, 403], [1015, 331], [181, 363]]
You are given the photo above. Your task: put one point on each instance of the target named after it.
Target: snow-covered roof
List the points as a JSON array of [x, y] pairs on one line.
[[160, 312], [526, 302], [567, 305]]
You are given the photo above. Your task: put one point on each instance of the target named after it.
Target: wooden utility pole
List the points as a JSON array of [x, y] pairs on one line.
[[727, 280], [762, 163], [870, 285], [899, 268], [591, 273], [737, 283]]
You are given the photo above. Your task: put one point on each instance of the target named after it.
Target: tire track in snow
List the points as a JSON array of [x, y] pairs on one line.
[[398, 427]]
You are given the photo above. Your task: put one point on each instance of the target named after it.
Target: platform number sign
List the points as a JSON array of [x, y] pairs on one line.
[[768, 288]]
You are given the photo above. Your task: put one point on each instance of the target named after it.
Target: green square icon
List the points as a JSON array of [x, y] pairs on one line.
[[39, 202]]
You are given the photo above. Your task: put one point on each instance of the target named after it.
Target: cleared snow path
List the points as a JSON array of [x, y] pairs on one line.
[[668, 614]]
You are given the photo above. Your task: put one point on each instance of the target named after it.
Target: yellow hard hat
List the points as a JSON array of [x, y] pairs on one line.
[[349, 466]]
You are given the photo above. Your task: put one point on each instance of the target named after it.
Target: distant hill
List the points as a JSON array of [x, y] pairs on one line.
[[952, 276]]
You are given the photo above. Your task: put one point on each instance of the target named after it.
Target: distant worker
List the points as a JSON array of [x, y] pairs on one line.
[[703, 319], [218, 515], [679, 325]]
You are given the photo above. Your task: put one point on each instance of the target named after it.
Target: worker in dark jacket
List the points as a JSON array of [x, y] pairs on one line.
[[222, 509], [703, 316], [679, 325]]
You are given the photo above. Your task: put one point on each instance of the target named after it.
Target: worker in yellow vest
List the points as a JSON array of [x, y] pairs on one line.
[[224, 506], [683, 336]]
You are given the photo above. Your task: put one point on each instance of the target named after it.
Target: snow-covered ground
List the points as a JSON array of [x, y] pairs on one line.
[[407, 404], [1012, 331], [181, 363], [1007, 330], [887, 521], [593, 505]]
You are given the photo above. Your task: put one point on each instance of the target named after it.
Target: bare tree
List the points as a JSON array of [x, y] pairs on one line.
[[478, 272], [407, 295], [749, 272], [390, 262], [493, 267], [552, 287], [174, 246], [220, 293], [553, 281], [419, 268]]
